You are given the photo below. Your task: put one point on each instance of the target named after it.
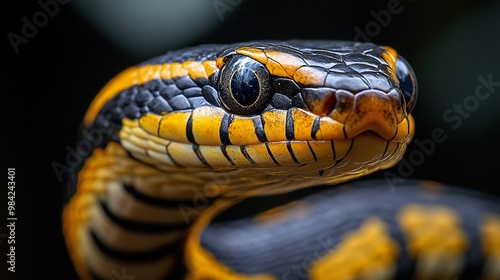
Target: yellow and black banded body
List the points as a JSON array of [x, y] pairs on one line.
[[220, 123], [363, 230]]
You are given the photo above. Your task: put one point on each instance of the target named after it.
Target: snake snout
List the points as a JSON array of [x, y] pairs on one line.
[[374, 111], [368, 110]]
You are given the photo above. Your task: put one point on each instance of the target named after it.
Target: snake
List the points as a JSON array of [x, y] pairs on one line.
[[245, 161]]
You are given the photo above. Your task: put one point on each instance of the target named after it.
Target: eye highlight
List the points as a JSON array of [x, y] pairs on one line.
[[407, 83], [245, 86]]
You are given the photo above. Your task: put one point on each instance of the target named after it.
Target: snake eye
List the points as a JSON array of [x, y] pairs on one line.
[[407, 83], [245, 86]]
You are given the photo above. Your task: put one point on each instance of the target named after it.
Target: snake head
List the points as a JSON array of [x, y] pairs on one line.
[[272, 114], [347, 88]]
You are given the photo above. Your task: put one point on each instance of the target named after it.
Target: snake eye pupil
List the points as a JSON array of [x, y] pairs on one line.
[[407, 83], [245, 86]]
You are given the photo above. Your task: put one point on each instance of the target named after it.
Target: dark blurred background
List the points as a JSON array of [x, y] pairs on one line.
[[54, 67]]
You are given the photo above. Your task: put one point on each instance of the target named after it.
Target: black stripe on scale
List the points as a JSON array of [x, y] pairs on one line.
[[315, 127], [224, 152], [189, 129], [132, 156], [348, 151], [243, 150], [393, 152], [196, 149], [290, 150], [397, 128], [385, 150], [167, 203], [227, 119], [396, 149], [345, 133], [171, 157], [140, 227], [271, 155], [150, 255], [332, 144], [289, 126], [258, 123], [312, 151]]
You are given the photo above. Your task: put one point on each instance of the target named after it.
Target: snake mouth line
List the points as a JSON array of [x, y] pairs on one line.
[[166, 154], [330, 143], [209, 126]]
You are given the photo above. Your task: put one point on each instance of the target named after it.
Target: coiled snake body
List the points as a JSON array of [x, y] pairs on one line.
[[198, 132]]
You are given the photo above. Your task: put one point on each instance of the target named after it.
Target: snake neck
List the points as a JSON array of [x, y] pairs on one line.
[[129, 217]]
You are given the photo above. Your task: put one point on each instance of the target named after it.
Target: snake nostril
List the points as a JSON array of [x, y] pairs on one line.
[[320, 101], [330, 105]]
